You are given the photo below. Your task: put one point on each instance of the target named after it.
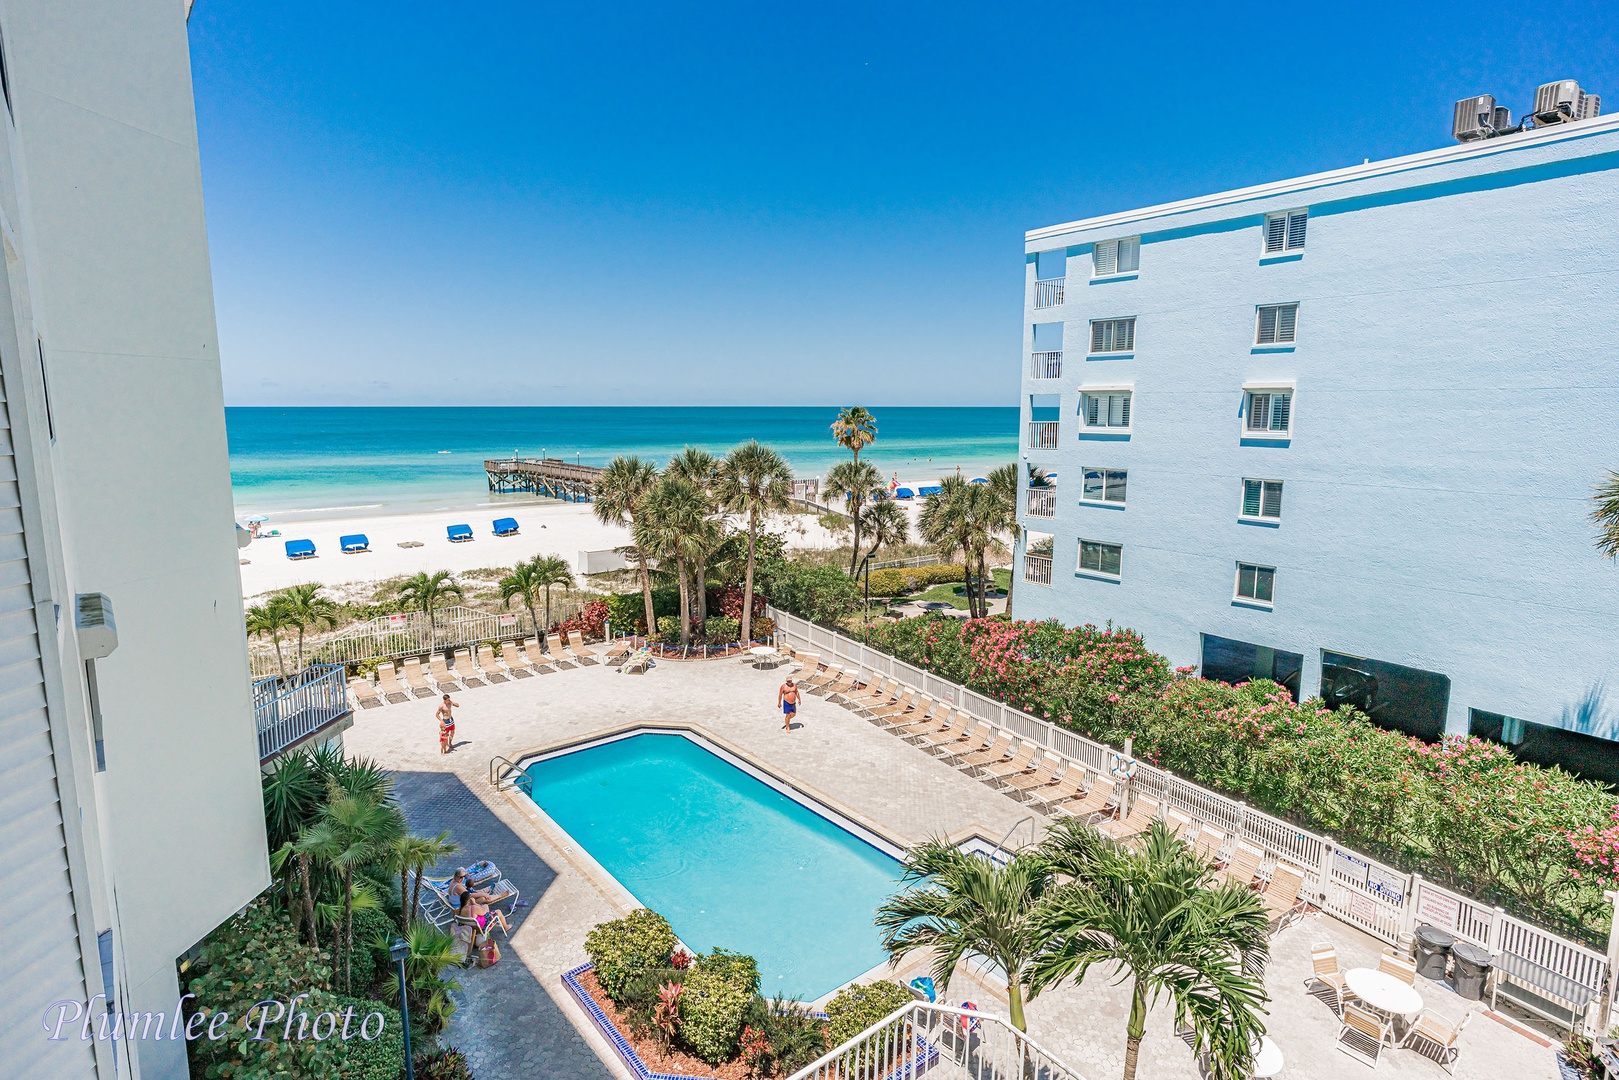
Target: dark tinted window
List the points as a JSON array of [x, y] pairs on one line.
[[1235, 662], [1395, 697], [1585, 755]]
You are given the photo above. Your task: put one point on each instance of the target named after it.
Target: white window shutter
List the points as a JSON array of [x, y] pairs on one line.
[[1129, 255], [1286, 321], [1281, 411], [1124, 409], [1273, 499], [1128, 343], [1098, 336], [1107, 257], [1251, 497], [1090, 410], [1258, 412], [1296, 223], [1275, 233], [1267, 326]]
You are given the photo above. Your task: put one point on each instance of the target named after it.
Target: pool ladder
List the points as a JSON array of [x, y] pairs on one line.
[[500, 768]]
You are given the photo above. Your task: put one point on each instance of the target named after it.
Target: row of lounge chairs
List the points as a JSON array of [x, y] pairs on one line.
[[1024, 769], [517, 661]]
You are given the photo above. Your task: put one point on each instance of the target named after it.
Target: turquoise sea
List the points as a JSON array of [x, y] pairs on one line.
[[383, 460]]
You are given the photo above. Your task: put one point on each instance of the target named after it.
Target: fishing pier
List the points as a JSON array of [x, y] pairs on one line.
[[551, 477]]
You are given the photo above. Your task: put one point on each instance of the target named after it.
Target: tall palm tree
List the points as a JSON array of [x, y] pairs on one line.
[[353, 830], [859, 484], [1004, 484], [415, 855], [619, 492], [960, 905], [308, 609], [753, 481], [1154, 915], [269, 620], [885, 523], [1606, 515], [428, 593], [702, 469], [536, 576], [671, 524], [952, 520], [855, 428]]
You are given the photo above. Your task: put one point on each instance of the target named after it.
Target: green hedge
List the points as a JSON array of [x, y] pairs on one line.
[[713, 1007], [624, 948], [896, 581], [855, 1008]]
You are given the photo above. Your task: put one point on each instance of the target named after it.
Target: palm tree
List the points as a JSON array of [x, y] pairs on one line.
[[528, 579], [269, 620], [858, 483], [962, 904], [753, 481], [885, 523], [855, 428], [1004, 486], [702, 469], [292, 797], [946, 523], [431, 951], [1154, 915], [619, 492], [307, 609], [671, 524], [353, 830], [1606, 515], [428, 593], [414, 855]]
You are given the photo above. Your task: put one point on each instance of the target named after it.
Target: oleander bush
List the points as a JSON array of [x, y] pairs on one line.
[[1463, 812], [624, 948], [855, 1008]]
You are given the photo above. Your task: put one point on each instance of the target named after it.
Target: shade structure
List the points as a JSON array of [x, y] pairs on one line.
[[934, 490], [459, 532], [505, 526], [979, 480], [904, 493], [354, 542], [300, 549]]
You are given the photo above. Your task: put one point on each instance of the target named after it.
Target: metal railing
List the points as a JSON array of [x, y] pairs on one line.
[[940, 1042], [1356, 889], [1048, 293], [1037, 569], [1043, 434], [1045, 365], [285, 715], [1042, 503], [910, 564]]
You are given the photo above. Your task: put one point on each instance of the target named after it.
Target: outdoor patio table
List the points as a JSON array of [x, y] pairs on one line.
[[1268, 1062], [762, 655], [1383, 992]]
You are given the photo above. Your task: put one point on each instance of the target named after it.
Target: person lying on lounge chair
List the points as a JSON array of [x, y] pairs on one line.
[[458, 885], [481, 914]]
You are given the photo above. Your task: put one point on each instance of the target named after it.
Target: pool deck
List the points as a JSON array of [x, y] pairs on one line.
[[517, 1021]]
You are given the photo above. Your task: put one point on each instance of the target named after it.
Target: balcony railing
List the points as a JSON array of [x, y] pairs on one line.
[[1046, 365], [942, 1043], [289, 714], [1048, 293], [1043, 435], [1042, 502], [1037, 569]]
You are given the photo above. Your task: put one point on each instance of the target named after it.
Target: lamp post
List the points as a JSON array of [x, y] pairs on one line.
[[399, 952]]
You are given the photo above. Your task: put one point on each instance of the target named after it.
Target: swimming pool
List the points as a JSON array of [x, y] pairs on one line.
[[725, 857]]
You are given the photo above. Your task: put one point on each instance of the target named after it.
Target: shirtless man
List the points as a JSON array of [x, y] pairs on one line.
[[446, 724], [787, 702]]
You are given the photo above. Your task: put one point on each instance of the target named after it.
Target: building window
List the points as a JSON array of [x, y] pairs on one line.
[[1587, 756], [1278, 324], [1262, 499], [1256, 583], [1229, 661], [1096, 557], [1393, 696], [1117, 256], [1113, 335], [1103, 486], [1108, 411], [1270, 412], [1285, 232]]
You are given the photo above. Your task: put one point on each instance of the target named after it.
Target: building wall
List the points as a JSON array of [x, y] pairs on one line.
[[111, 275], [1457, 374]]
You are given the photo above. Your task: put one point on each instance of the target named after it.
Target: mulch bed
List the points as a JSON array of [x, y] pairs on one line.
[[678, 1062]]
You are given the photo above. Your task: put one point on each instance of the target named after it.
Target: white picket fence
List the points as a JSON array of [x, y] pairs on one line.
[[1357, 889]]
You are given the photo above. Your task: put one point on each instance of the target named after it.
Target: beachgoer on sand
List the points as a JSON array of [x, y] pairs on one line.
[[446, 724], [787, 702]]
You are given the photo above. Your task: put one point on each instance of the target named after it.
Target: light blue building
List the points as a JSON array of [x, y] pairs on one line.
[[1343, 431]]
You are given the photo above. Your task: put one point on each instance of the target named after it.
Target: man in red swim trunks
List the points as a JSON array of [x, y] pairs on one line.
[[787, 701]]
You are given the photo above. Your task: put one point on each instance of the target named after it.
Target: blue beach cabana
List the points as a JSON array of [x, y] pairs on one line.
[[904, 493], [354, 543], [979, 480], [300, 549], [505, 526], [459, 533], [934, 490]]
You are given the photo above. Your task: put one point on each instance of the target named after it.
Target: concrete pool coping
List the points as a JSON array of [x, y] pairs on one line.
[[807, 796]]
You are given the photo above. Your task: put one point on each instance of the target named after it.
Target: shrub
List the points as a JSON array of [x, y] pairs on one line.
[[857, 1007], [764, 628], [669, 629], [627, 610], [795, 1037], [379, 1058], [445, 1063], [897, 580], [624, 948], [366, 963], [722, 629], [821, 594], [728, 601], [711, 1012], [591, 620], [738, 967]]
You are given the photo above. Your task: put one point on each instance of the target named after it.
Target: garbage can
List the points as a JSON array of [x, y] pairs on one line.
[[1473, 966], [1433, 951]]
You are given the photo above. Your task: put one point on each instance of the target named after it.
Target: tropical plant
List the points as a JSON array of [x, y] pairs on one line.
[[1605, 515], [666, 1014], [712, 1008], [293, 789], [859, 1005], [794, 1037], [432, 951], [961, 905], [701, 470], [1004, 486], [755, 482], [674, 524], [1153, 915], [963, 517], [270, 620], [532, 578], [427, 592], [352, 831], [307, 609], [442, 1063], [411, 857], [821, 594], [885, 523], [855, 429], [619, 492], [859, 484], [627, 947]]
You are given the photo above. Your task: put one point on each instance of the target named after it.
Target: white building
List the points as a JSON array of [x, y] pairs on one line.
[[113, 480]]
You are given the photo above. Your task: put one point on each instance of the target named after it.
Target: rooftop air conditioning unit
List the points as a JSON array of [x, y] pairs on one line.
[[1480, 118], [1564, 102]]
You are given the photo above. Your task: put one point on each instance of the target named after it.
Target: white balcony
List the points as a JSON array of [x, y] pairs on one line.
[[1049, 293], [1042, 502], [1043, 435], [1046, 365], [1037, 569]]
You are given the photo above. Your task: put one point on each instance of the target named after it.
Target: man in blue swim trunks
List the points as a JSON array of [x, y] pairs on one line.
[[787, 700]]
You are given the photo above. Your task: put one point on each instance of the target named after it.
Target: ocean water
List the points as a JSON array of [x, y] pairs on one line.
[[384, 460], [727, 859]]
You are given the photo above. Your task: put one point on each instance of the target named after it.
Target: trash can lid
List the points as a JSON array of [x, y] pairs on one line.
[[1472, 954], [1432, 935]]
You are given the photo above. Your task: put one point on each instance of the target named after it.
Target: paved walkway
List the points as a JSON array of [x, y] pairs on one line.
[[517, 1020]]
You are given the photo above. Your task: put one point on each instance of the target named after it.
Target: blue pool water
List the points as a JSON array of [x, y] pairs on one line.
[[726, 858]]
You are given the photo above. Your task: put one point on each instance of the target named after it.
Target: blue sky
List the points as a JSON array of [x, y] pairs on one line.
[[519, 203]]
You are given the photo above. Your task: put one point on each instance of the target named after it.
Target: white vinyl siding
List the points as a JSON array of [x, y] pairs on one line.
[[1096, 557], [1113, 335], [1285, 232], [1278, 324], [1106, 410], [1256, 583], [1103, 486], [1262, 499], [1116, 257], [1270, 412]]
